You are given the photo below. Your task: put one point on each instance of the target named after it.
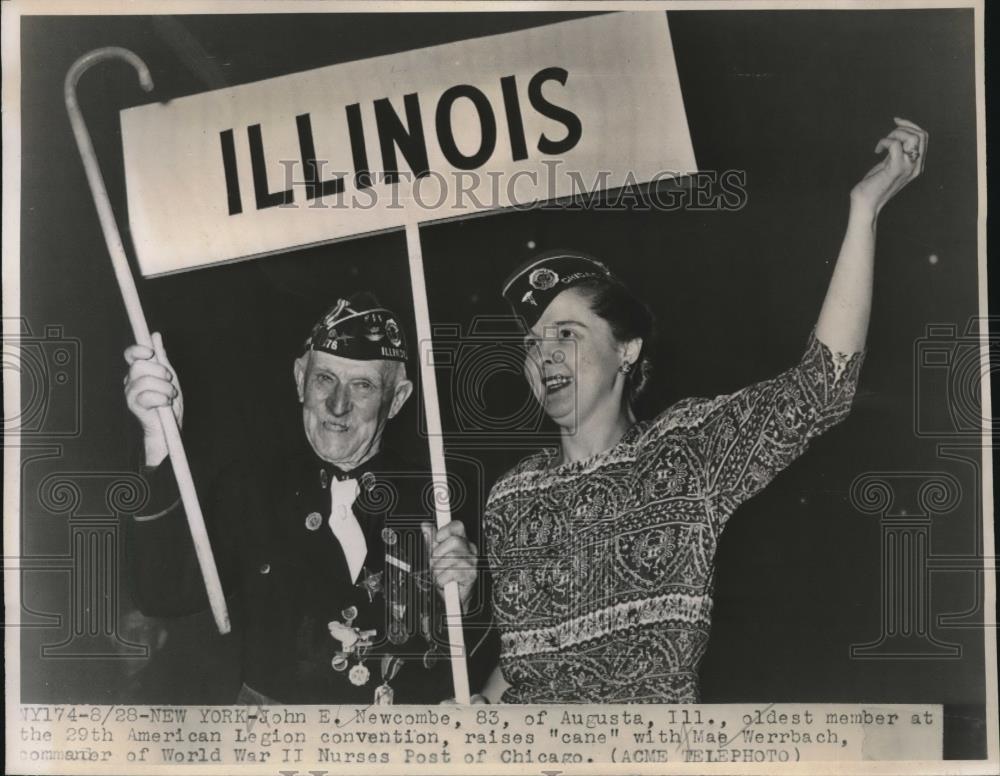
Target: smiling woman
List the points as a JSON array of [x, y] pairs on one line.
[[602, 550], [587, 341]]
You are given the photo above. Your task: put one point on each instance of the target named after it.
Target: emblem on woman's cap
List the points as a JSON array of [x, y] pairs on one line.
[[543, 278]]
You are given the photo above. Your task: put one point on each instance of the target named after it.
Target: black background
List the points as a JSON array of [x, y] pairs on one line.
[[796, 99]]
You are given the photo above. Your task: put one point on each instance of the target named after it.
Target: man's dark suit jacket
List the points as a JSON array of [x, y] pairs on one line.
[[286, 578]]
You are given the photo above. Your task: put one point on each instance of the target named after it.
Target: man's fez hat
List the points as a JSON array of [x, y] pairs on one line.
[[359, 329]]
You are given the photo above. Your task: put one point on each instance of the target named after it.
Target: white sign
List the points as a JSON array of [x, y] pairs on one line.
[[434, 133]]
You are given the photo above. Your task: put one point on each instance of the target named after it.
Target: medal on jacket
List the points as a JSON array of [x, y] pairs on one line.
[[360, 671], [313, 521], [390, 667], [423, 580], [383, 695], [370, 583], [397, 571], [430, 656], [359, 675], [396, 632], [345, 634], [353, 641]]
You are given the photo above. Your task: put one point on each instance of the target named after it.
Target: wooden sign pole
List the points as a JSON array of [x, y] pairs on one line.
[[442, 502]]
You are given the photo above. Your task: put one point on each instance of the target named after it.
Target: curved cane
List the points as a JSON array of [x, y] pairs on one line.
[[140, 329]]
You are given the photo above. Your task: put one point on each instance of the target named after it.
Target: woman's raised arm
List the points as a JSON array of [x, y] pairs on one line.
[[843, 319]]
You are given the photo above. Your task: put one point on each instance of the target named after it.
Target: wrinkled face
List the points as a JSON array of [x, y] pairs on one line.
[[345, 404], [572, 361]]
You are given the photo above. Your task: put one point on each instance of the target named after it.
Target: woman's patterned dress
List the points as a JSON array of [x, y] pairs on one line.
[[603, 568]]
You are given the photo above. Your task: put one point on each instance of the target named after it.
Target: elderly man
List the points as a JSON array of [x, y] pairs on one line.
[[324, 554]]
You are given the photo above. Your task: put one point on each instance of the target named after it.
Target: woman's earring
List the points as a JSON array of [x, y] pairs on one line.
[[625, 368]]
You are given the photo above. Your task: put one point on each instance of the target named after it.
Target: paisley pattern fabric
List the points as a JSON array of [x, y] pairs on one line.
[[603, 568]]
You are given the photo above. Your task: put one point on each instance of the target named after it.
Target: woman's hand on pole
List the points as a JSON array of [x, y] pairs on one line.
[[905, 150], [453, 558], [151, 383]]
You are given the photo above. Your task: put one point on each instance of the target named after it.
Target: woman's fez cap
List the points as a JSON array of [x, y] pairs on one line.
[[359, 329], [540, 280]]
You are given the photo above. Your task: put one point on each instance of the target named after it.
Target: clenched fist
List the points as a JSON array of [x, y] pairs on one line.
[[149, 384]]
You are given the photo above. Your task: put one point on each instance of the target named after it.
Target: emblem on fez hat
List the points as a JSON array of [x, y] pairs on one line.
[[543, 278], [359, 329], [332, 316], [374, 332], [392, 332]]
